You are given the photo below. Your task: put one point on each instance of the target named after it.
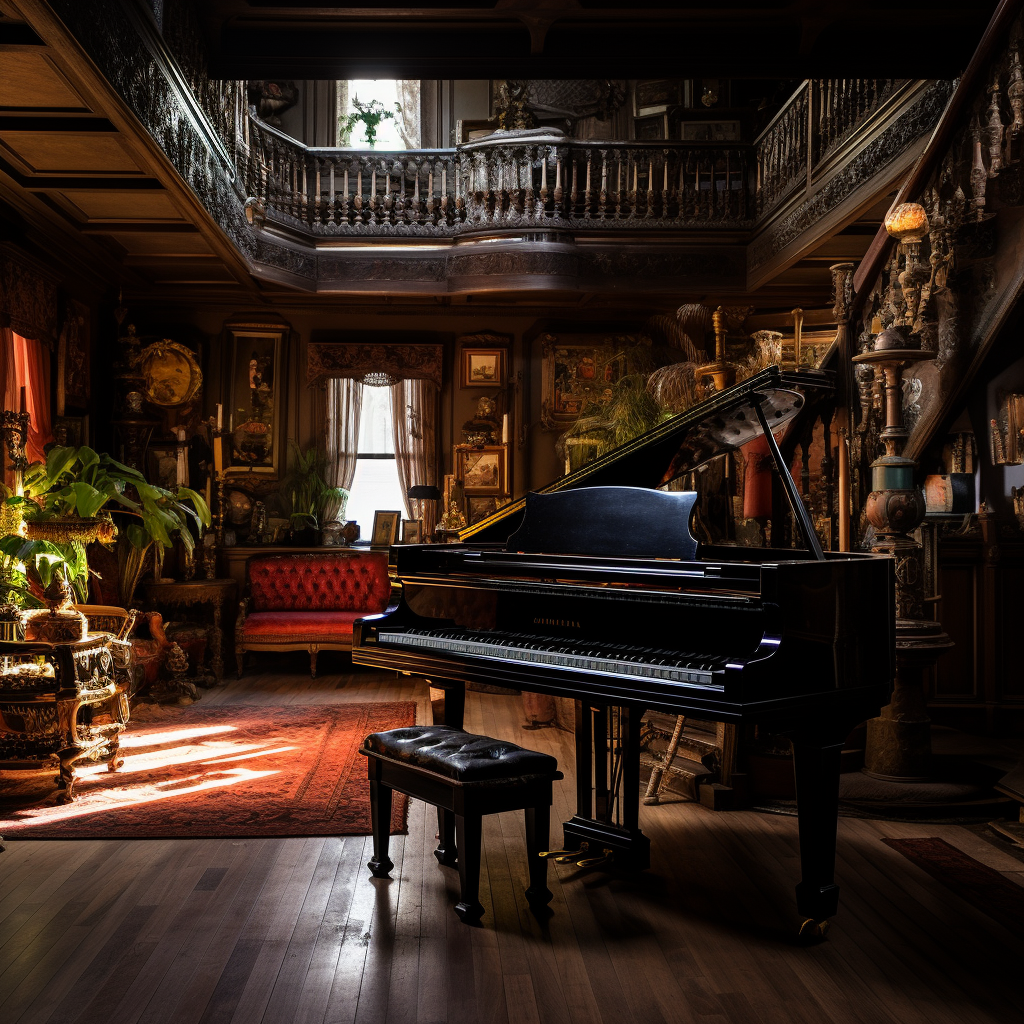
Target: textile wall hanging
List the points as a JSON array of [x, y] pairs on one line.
[[28, 296], [325, 361]]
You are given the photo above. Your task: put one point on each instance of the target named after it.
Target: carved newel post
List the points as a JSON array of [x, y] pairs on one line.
[[899, 740]]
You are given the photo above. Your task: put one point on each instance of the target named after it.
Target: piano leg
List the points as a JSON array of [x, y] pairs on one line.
[[451, 712], [816, 766]]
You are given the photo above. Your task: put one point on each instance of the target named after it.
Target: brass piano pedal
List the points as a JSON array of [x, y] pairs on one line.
[[564, 856], [606, 857]]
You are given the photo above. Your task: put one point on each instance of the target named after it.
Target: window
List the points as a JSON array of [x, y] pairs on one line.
[[399, 132], [375, 486]]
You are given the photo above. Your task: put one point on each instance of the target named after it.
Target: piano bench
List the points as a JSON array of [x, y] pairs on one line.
[[465, 777]]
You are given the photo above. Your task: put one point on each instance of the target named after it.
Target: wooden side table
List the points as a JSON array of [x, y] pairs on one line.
[[210, 595]]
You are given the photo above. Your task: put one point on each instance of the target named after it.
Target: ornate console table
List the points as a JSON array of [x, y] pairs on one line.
[[206, 594], [63, 702]]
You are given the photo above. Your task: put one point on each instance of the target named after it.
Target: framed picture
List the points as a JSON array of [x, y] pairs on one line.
[[255, 399], [412, 531], [71, 431], [481, 468], [385, 529], [655, 96], [483, 367], [162, 465], [651, 129], [479, 508], [577, 370], [74, 360], [709, 131]]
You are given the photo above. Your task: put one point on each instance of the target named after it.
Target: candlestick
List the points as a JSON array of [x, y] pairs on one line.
[[24, 401], [504, 429]]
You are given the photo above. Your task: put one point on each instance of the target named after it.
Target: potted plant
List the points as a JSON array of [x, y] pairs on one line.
[[370, 115], [78, 495], [306, 487]]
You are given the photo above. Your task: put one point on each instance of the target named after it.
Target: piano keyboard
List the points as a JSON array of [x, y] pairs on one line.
[[696, 670]]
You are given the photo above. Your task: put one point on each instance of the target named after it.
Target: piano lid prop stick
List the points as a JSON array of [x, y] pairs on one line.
[[795, 501]]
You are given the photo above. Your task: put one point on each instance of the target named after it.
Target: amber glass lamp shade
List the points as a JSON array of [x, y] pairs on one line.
[[907, 223]]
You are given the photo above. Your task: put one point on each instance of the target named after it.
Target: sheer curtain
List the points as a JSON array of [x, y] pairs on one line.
[[414, 415], [409, 120], [344, 405]]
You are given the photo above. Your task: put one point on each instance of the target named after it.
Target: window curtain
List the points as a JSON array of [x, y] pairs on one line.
[[409, 119], [8, 388], [414, 415], [344, 405], [31, 365]]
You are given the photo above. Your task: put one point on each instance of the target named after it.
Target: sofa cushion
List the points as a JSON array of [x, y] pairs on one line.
[[459, 755], [298, 627], [353, 582]]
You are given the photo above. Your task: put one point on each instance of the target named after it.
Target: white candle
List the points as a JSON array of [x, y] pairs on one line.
[[220, 416], [504, 429], [664, 186]]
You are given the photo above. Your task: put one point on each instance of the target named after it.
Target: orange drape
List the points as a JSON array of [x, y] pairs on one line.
[[32, 372]]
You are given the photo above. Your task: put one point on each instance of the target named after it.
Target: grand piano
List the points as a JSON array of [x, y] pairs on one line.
[[595, 588]]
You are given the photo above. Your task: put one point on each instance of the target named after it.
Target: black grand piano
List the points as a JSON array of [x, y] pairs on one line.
[[595, 588]]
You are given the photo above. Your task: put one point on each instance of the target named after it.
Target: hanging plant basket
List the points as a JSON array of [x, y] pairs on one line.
[[68, 529]]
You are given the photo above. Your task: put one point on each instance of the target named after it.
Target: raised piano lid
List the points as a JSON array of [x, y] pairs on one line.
[[726, 421]]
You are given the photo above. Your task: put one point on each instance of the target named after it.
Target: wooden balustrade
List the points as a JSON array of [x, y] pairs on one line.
[[544, 180], [512, 182]]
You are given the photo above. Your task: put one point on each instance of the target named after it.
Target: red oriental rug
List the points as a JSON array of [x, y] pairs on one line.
[[983, 887], [239, 770]]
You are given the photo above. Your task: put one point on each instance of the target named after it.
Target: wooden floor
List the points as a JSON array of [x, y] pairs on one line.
[[295, 930]]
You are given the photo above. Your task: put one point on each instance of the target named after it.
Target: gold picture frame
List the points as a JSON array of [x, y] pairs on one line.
[[483, 367], [482, 469], [254, 410], [412, 531], [385, 528]]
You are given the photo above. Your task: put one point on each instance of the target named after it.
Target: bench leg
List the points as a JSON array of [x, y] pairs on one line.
[[446, 851], [468, 836], [380, 817], [537, 829], [313, 651], [240, 660]]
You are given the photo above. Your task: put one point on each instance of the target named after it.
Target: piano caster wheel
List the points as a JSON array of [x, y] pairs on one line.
[[592, 862], [813, 931]]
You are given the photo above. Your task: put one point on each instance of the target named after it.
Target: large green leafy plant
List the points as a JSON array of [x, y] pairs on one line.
[[76, 488], [306, 487]]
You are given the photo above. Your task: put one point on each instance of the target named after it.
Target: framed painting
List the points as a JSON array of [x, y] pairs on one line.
[[412, 531], [577, 370], [255, 399], [74, 386], [481, 468], [71, 431], [385, 529], [483, 367], [479, 508], [709, 131], [654, 96]]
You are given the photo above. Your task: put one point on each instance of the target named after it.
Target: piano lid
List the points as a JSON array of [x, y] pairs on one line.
[[723, 423]]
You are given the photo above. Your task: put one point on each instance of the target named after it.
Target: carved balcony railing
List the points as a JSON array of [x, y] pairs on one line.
[[821, 115], [512, 180]]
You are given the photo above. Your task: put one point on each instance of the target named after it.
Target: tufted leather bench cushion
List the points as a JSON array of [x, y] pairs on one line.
[[284, 627], [352, 582], [460, 756]]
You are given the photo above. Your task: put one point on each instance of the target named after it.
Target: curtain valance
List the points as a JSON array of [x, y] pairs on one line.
[[328, 360], [28, 297]]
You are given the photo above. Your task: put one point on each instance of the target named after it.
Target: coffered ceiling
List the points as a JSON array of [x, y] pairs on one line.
[[593, 38]]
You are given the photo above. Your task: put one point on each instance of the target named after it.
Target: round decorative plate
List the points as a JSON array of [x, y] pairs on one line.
[[172, 374]]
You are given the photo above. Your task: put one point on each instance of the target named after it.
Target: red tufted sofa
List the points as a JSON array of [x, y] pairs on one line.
[[309, 601]]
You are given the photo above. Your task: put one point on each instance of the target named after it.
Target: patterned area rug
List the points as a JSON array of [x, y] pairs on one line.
[[241, 770], [981, 886]]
